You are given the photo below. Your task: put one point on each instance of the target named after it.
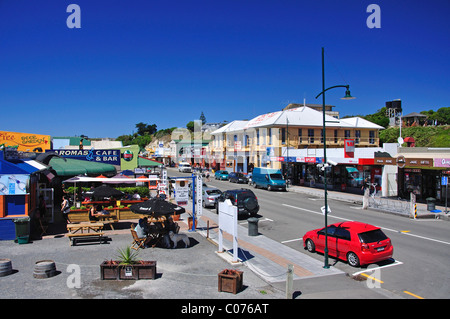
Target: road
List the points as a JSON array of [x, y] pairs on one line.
[[421, 247]]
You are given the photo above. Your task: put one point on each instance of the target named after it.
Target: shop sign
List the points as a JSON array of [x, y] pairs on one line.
[[25, 142], [349, 148], [100, 156], [401, 162], [384, 161], [420, 162], [442, 162]]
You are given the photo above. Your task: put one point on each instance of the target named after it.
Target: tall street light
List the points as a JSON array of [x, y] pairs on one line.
[[324, 136]]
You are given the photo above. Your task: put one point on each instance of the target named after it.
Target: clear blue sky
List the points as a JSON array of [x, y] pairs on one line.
[[164, 62]]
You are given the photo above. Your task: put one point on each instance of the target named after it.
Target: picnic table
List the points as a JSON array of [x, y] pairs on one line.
[[85, 230]]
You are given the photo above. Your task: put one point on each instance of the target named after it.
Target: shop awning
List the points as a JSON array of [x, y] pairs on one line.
[[73, 167], [142, 161], [351, 169]]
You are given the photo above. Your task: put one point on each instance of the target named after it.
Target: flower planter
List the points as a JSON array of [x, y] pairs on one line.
[[190, 219], [230, 280], [112, 270]]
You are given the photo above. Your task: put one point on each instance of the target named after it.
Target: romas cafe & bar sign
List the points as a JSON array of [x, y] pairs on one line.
[[25, 142], [100, 156]]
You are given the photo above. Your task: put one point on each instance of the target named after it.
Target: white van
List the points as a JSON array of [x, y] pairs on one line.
[[184, 168]]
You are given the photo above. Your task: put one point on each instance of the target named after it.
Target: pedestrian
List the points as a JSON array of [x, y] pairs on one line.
[[65, 208]]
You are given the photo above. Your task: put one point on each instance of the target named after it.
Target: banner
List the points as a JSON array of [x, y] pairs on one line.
[[100, 156], [25, 142]]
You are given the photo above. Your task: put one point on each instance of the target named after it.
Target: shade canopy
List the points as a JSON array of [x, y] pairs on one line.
[[104, 191], [73, 167]]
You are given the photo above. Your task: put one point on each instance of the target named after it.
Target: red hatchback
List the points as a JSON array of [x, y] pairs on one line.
[[355, 242]]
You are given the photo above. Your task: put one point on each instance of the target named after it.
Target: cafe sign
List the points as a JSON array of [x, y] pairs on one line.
[[100, 156]]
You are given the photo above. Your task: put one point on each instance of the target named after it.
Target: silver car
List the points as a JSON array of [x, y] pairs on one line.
[[210, 196]]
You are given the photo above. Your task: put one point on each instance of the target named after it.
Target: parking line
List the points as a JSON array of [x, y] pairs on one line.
[[372, 269], [414, 295], [291, 240], [373, 278]]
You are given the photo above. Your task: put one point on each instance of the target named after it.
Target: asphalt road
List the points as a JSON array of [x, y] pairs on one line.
[[421, 247]]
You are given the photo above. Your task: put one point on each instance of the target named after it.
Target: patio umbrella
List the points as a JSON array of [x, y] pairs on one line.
[[104, 191], [157, 207]]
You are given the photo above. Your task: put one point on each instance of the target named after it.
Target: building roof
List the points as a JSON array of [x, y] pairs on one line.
[[231, 127]]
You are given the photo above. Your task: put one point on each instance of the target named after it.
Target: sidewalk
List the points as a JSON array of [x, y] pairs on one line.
[[422, 211]]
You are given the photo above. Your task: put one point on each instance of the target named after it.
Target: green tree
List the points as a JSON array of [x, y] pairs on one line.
[[379, 117], [203, 118]]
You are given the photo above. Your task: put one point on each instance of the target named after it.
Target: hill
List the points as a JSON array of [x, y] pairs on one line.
[[428, 136]]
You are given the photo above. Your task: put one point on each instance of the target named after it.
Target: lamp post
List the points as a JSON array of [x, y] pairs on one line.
[[324, 136]]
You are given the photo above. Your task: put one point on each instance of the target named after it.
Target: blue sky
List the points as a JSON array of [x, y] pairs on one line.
[[164, 62]]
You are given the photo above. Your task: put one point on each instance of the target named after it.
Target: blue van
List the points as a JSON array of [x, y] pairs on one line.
[[268, 178]]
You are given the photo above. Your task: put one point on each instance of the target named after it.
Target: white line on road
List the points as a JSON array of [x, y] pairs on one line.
[[396, 263], [314, 212], [291, 240]]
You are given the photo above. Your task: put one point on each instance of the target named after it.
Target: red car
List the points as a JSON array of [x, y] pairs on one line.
[[356, 242]]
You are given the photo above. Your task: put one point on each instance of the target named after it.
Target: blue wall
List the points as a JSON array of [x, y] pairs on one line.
[[7, 229]]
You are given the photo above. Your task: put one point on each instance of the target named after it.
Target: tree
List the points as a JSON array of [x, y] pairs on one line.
[[143, 129], [379, 117], [203, 118]]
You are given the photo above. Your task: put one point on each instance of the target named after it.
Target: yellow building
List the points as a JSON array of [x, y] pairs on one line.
[[241, 145]]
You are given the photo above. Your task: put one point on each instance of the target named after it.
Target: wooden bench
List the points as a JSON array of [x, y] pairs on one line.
[[74, 237]]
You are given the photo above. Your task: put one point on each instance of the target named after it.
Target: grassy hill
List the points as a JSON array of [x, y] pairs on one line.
[[428, 136]]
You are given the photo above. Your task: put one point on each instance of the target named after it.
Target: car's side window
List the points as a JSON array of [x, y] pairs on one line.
[[342, 233]]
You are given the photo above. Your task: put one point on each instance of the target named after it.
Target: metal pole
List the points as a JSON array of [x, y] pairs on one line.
[[193, 202], [326, 266]]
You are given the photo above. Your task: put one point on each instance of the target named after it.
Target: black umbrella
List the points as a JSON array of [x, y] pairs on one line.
[[157, 207], [104, 191]]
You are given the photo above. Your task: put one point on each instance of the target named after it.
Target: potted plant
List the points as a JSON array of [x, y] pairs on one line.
[[127, 267]]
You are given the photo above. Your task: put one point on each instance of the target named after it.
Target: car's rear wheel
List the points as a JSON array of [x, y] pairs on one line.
[[353, 259], [310, 246]]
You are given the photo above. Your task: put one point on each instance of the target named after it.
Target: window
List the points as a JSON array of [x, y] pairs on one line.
[[270, 136], [330, 231], [347, 133], [372, 137], [283, 136], [372, 236], [321, 136], [257, 136], [311, 135], [299, 135], [357, 136], [342, 233], [335, 136]]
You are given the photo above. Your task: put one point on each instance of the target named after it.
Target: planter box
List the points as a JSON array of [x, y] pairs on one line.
[[230, 281], [145, 270]]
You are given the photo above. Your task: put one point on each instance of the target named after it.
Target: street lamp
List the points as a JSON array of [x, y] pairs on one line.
[[346, 97]]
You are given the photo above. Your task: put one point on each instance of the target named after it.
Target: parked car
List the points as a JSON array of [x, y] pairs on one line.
[[221, 175], [210, 196], [268, 178], [357, 243], [237, 178], [184, 168], [245, 200]]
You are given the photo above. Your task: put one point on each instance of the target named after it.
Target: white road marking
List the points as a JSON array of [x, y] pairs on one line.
[[396, 263], [291, 240]]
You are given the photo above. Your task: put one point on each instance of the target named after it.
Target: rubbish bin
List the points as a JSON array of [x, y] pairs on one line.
[[253, 226], [431, 203], [22, 226]]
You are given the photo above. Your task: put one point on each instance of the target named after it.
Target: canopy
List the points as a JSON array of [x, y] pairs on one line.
[[72, 167], [80, 179], [104, 191], [142, 161]]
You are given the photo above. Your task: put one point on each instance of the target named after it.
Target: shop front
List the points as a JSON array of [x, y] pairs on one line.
[[423, 176]]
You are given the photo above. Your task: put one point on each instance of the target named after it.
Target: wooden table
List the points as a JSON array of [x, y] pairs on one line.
[[85, 230]]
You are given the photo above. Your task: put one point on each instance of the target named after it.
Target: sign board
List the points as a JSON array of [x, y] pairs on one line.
[[198, 195], [349, 148], [162, 186], [228, 223], [181, 192], [100, 156], [444, 180], [14, 184], [25, 142]]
